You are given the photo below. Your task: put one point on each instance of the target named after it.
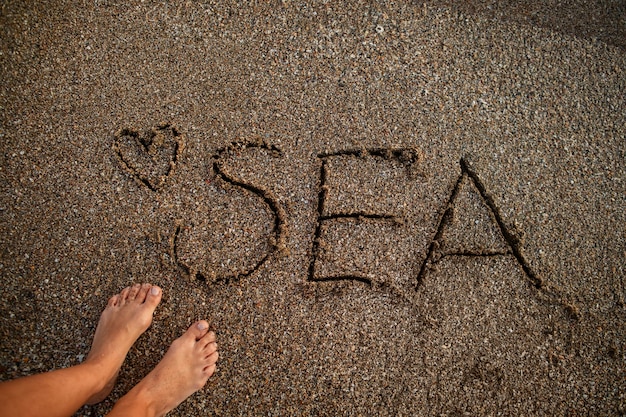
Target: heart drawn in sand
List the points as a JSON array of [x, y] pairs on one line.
[[149, 156]]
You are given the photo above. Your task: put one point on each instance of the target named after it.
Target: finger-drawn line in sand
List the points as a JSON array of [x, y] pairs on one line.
[[359, 215], [149, 156], [512, 240], [278, 232], [407, 158], [501, 242]]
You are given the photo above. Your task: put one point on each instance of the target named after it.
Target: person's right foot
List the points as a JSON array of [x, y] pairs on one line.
[[126, 316], [185, 368]]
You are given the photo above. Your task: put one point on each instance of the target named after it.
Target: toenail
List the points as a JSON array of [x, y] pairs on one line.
[[154, 291], [203, 326]]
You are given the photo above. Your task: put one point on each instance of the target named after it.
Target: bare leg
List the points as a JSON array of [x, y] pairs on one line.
[[184, 369], [62, 392]]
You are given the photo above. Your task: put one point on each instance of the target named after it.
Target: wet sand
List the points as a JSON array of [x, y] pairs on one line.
[[389, 209]]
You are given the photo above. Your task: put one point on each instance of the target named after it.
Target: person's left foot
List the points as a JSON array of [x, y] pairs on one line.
[[188, 364], [126, 316]]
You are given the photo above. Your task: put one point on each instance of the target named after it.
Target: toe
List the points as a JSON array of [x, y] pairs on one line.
[[113, 301], [209, 370], [153, 297], [143, 292], [210, 349], [208, 338], [123, 296], [134, 290], [211, 359], [198, 329]]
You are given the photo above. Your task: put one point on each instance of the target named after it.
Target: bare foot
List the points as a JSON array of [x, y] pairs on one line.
[[126, 316], [185, 368]]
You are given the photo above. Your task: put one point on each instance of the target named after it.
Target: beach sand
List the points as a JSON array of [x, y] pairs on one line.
[[382, 208]]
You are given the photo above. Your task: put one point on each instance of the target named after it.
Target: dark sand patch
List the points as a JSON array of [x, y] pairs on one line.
[[595, 20]]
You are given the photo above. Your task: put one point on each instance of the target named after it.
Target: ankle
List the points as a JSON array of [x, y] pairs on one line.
[[137, 402], [102, 370], [94, 374]]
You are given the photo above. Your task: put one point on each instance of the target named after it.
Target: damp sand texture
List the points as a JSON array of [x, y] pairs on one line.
[[382, 209]]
